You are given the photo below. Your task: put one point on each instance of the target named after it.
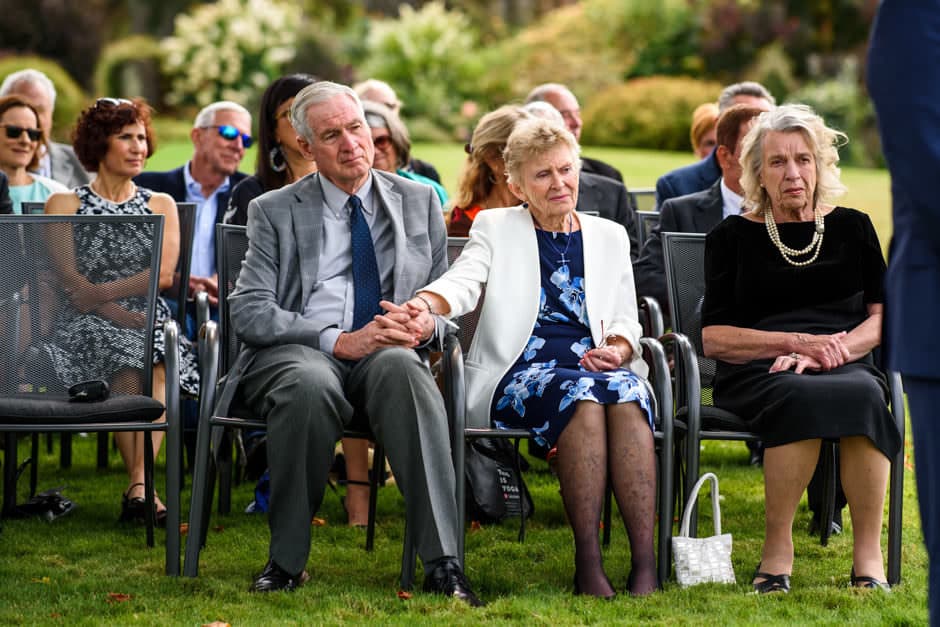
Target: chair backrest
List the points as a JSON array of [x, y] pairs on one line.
[[469, 321], [57, 267], [33, 208], [231, 247], [644, 198], [187, 220], [645, 221], [684, 257]]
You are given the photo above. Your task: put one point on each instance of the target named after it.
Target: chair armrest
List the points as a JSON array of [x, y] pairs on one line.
[[202, 308], [174, 443], [455, 402], [654, 316], [688, 393], [208, 368]]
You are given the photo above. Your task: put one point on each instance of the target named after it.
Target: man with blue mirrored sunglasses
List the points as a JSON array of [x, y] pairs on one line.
[[221, 132]]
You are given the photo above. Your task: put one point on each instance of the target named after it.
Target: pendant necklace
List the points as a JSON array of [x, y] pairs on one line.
[[563, 261]]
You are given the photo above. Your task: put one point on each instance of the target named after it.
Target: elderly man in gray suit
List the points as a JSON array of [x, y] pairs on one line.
[[59, 161], [326, 255]]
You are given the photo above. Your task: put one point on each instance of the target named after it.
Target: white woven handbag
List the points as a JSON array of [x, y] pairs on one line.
[[702, 560]]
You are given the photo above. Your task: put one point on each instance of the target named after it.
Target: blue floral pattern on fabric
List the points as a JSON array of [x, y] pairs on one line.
[[541, 390]]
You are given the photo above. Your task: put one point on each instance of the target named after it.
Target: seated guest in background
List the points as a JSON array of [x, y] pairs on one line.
[[20, 144], [56, 161], [393, 147], [557, 348], [482, 183], [220, 135], [701, 211], [600, 194], [374, 90], [702, 133], [114, 138], [567, 105], [318, 348], [792, 311], [702, 175], [278, 160]]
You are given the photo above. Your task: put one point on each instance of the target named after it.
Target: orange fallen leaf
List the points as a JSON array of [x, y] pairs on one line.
[[184, 529], [118, 597], [475, 525], [404, 595], [218, 529], [216, 623], [318, 522]]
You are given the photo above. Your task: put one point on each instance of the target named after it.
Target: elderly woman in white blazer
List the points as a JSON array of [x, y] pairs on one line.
[[557, 347]]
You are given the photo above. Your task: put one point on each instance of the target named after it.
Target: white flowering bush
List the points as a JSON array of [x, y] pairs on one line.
[[429, 56], [229, 50]]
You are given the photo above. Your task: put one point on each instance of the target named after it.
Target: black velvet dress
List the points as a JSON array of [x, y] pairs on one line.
[[749, 284]]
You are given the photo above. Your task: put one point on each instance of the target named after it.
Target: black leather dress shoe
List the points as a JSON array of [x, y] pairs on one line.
[[274, 578], [448, 579]]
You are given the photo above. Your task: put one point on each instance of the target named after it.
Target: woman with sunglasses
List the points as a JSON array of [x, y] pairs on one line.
[[113, 138], [279, 161], [20, 140]]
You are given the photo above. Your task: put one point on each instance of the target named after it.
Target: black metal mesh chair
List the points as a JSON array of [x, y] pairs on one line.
[[644, 198], [457, 344], [232, 245], [33, 208], [60, 328], [645, 221], [699, 419]]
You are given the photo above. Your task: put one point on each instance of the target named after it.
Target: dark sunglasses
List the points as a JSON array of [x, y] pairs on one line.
[[382, 142], [15, 132], [229, 132]]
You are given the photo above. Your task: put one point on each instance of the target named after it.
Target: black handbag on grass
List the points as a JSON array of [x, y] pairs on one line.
[[493, 485]]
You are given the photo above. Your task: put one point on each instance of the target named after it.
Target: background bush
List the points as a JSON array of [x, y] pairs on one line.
[[654, 112], [130, 67], [70, 99]]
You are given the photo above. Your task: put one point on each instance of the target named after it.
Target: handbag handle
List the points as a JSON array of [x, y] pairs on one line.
[[693, 496]]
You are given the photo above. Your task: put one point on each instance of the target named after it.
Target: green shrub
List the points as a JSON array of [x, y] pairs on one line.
[[70, 99], [128, 67], [429, 56], [654, 112]]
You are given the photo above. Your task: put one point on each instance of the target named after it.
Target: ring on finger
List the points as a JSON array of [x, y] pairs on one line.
[[795, 356]]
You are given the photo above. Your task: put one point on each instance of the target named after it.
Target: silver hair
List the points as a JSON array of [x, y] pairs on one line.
[[206, 116], [745, 88], [29, 75], [533, 137], [375, 85], [541, 92], [316, 93], [822, 141], [380, 116], [541, 109]]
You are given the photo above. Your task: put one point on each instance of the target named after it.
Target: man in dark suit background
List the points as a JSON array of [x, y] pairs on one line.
[[703, 174], [59, 161], [904, 83], [326, 255], [567, 105], [220, 134]]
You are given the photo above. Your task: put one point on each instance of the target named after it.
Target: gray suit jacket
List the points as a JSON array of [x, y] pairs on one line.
[[285, 232], [693, 213], [66, 168]]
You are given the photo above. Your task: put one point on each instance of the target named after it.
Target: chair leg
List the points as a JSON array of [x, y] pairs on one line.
[[224, 470], [65, 450], [34, 465], [829, 492], [148, 487], [198, 509], [9, 474], [103, 441], [378, 471]]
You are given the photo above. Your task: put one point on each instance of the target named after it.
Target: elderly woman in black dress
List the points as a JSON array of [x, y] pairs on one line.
[[792, 311]]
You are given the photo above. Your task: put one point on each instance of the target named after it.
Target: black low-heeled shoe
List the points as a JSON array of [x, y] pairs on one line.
[[870, 583], [771, 583], [132, 509]]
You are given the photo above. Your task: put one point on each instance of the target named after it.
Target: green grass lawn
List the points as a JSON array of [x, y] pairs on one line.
[[73, 571], [869, 189]]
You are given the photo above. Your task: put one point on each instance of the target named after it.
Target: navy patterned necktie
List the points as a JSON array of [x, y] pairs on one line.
[[366, 284]]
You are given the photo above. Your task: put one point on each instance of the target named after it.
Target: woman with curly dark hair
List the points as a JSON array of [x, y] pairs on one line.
[[114, 137]]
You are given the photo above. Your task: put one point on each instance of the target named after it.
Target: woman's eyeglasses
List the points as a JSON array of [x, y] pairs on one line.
[[229, 132], [382, 142], [15, 132]]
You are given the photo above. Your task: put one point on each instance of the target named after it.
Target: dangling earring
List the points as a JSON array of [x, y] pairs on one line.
[[277, 160]]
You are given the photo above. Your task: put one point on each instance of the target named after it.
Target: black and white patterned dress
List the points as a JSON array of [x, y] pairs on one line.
[[89, 346]]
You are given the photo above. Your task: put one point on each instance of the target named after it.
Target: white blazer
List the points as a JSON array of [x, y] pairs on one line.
[[502, 254]]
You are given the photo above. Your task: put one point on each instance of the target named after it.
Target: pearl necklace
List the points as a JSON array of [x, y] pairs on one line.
[[788, 253]]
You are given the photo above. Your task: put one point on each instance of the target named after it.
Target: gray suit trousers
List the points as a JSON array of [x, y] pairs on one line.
[[307, 398]]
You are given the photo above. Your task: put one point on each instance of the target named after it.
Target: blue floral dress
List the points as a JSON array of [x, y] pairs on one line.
[[540, 391]]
